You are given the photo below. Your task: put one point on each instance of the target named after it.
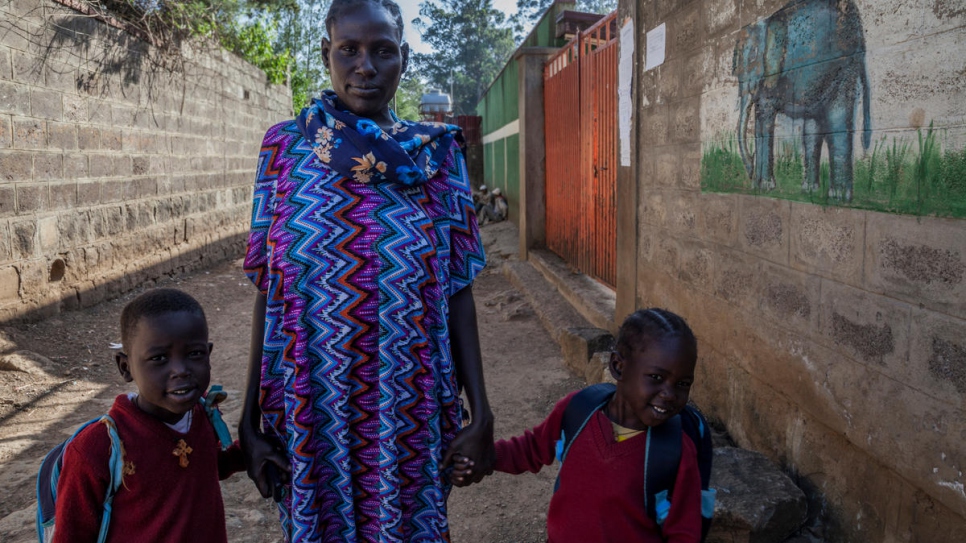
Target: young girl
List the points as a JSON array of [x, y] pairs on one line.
[[600, 496], [364, 247]]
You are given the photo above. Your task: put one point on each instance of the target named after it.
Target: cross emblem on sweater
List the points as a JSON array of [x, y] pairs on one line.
[[182, 451]]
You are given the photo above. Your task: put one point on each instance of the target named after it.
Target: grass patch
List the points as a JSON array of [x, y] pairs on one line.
[[898, 176]]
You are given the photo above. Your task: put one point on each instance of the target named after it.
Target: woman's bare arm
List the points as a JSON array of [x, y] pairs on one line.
[[475, 441]]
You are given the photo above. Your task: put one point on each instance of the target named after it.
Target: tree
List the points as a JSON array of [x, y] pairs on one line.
[[282, 37], [530, 11], [471, 43], [301, 34], [408, 95]]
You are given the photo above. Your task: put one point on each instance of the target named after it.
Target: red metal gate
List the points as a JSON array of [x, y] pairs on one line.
[[580, 101]]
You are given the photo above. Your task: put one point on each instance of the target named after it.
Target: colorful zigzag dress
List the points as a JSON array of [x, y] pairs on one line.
[[358, 238]]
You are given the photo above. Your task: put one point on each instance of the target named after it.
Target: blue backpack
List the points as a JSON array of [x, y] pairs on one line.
[[53, 464], [663, 451]]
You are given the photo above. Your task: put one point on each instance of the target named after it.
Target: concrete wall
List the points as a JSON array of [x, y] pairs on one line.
[[114, 170], [831, 333]]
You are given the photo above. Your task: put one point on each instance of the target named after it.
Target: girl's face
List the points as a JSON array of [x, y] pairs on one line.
[[365, 60], [653, 385]]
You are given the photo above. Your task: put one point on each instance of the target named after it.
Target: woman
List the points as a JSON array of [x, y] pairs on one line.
[[364, 247]]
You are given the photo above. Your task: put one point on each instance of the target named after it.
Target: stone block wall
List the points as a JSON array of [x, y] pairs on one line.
[[115, 170], [832, 330]]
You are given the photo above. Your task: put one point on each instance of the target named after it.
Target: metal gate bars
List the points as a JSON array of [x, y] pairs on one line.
[[580, 101]]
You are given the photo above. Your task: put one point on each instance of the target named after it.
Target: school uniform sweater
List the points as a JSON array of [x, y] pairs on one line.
[[601, 492], [160, 501]]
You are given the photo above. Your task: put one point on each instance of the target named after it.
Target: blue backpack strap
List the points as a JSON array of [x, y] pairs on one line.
[[695, 425], [661, 459], [578, 411], [49, 475], [210, 403], [117, 475]]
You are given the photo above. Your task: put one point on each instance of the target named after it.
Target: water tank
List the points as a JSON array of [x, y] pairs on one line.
[[435, 102]]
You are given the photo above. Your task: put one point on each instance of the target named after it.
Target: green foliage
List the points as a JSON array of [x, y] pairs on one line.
[[281, 37], [788, 161], [530, 11], [168, 24], [254, 41], [527, 15], [300, 33], [408, 95], [471, 43], [721, 167], [898, 176]]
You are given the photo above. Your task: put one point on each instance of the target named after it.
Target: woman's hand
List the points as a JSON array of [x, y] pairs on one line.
[[475, 440], [266, 463], [471, 453]]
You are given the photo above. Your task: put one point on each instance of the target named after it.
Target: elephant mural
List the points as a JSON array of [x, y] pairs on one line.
[[806, 61]]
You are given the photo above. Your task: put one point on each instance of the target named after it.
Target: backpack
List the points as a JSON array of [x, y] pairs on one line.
[[663, 451], [53, 464]]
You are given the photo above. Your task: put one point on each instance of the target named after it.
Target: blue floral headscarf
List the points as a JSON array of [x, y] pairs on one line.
[[409, 153]]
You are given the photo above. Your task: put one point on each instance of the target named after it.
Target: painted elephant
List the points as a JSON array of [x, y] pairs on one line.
[[806, 61]]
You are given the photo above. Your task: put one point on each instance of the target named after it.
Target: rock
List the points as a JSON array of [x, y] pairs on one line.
[[601, 360], [579, 345], [516, 312], [25, 361], [6, 344], [756, 502]]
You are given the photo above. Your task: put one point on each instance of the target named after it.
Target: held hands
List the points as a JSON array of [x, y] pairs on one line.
[[471, 455], [462, 474], [267, 464]]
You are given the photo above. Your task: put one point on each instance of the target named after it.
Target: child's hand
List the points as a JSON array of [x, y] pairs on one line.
[[462, 474]]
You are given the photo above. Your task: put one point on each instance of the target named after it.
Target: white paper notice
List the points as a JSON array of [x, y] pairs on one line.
[[625, 71], [655, 47]]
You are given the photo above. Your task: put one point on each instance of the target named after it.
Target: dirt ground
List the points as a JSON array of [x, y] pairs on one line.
[[60, 372]]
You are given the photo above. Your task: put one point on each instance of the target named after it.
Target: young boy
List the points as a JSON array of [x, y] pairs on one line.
[[600, 496], [172, 457]]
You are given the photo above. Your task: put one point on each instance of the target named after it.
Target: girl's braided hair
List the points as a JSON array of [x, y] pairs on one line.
[[645, 326], [340, 7]]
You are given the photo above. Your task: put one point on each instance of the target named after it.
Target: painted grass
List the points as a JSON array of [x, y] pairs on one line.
[[897, 176]]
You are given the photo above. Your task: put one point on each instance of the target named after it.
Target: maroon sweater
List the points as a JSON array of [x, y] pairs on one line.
[[160, 501], [601, 492]]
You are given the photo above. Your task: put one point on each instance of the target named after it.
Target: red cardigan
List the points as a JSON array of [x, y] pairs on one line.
[[601, 492], [160, 501]]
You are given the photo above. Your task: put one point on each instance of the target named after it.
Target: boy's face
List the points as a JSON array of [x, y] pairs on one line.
[[168, 359], [654, 384]]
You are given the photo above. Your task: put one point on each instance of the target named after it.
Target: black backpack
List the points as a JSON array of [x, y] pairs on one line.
[[663, 452]]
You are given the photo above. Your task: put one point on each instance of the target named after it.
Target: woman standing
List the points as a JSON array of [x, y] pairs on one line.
[[364, 247]]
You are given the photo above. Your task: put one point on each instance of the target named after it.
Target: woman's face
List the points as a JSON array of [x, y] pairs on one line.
[[365, 60]]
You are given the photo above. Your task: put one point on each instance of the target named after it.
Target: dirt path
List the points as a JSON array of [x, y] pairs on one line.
[[71, 377]]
